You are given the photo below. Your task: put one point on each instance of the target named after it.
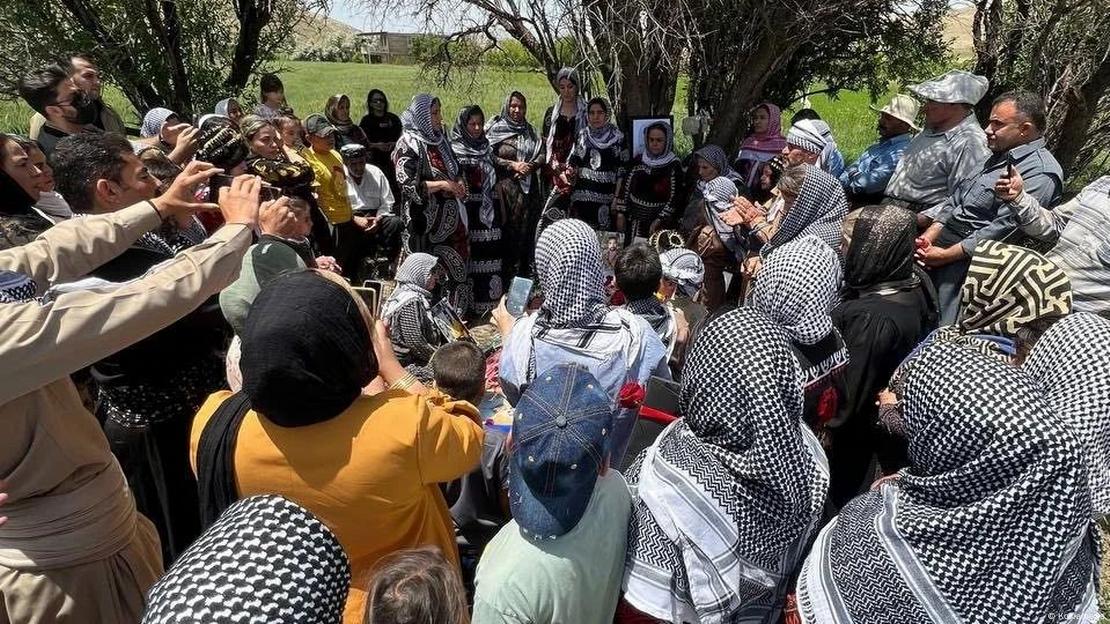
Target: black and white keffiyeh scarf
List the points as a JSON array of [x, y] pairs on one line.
[[657, 315], [266, 559], [717, 195], [417, 126], [797, 288], [819, 210], [685, 268], [568, 263], [474, 151], [716, 157], [16, 287], [412, 282], [814, 136], [990, 523], [1071, 363], [729, 495], [668, 156]]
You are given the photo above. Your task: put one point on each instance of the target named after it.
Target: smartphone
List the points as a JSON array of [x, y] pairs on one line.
[[216, 182], [379, 289], [1011, 166], [369, 296], [519, 292]]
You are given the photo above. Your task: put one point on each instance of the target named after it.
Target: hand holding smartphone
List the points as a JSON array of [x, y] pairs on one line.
[[519, 292]]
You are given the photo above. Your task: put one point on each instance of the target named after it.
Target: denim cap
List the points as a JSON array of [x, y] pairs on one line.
[[561, 437]]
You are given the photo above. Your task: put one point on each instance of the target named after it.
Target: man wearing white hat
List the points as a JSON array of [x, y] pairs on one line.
[[952, 148], [866, 180]]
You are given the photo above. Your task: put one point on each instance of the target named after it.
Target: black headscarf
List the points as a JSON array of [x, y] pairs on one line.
[[881, 252], [13, 199], [306, 356]]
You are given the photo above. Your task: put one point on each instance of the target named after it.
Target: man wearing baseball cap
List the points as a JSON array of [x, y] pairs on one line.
[[350, 233], [952, 148], [561, 559], [865, 180]]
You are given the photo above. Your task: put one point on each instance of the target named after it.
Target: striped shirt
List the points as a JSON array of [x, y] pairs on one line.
[[1082, 228]]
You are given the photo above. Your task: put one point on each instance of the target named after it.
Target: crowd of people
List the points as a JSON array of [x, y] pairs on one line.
[[775, 387]]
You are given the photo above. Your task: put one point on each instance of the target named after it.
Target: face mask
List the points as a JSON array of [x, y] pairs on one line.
[[86, 107]]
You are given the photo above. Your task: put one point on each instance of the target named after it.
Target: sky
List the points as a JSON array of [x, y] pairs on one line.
[[355, 13]]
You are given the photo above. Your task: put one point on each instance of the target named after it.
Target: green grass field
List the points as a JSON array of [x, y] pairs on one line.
[[308, 85]]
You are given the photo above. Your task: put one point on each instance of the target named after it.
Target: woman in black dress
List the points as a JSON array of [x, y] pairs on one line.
[[596, 166], [518, 155], [652, 197], [382, 129], [484, 212], [887, 307]]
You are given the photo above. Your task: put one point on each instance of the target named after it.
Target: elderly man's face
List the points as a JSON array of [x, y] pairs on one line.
[[795, 155], [891, 126]]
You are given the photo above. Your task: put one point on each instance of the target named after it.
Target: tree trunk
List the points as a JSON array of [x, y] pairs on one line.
[[1071, 134], [252, 20], [730, 123]]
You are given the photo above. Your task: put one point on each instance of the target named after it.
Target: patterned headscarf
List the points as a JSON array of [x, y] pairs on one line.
[[797, 289], [685, 268], [729, 495], [718, 194], [568, 263], [814, 136], [16, 287], [1009, 286], [819, 209], [503, 127], [1071, 363], [331, 113], [416, 121], [990, 523], [771, 140], [223, 105], [715, 156], [598, 138], [412, 281], [265, 560], [668, 155], [580, 107], [880, 254], [476, 152], [153, 121]]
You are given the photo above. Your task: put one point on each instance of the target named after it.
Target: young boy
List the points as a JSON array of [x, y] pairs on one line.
[[638, 274], [477, 501]]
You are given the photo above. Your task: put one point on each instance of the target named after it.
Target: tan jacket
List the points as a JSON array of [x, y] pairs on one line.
[[68, 501]]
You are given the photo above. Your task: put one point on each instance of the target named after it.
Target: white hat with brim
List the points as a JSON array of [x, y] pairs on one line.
[[902, 107], [955, 87]]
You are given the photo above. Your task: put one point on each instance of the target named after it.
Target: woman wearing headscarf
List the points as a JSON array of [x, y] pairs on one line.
[[407, 311], [887, 308], [797, 288], [518, 154], [484, 213], [680, 289], [596, 167], [729, 496], [764, 142], [307, 353], [431, 190], [337, 110], [1071, 364], [576, 325], [991, 521], [20, 179], [163, 130], [382, 129], [561, 123], [267, 559], [230, 108], [652, 196], [719, 244]]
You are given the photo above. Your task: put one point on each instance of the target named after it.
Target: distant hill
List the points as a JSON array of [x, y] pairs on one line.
[[319, 29], [957, 30]]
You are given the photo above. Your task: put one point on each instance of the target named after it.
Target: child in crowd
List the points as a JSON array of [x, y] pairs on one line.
[[478, 501], [416, 586]]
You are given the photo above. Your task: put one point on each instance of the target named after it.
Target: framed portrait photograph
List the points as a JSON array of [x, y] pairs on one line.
[[639, 125]]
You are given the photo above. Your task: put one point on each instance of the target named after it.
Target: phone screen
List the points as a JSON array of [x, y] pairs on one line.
[[371, 297], [519, 292]]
